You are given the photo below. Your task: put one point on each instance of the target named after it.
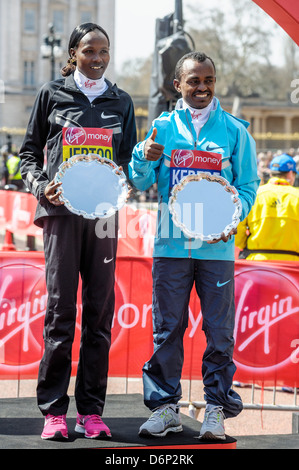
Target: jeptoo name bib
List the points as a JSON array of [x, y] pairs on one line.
[[85, 140]]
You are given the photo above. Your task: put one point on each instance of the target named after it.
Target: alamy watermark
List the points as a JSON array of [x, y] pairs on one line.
[[2, 92], [191, 215], [295, 93]]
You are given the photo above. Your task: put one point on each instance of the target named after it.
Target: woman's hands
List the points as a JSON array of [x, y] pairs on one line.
[[52, 194]]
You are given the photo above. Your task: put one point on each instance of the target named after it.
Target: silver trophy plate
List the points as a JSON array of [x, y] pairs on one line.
[[92, 186], [204, 206]]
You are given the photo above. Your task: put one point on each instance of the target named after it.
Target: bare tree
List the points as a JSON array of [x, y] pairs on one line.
[[239, 38], [291, 57], [238, 42], [135, 76]]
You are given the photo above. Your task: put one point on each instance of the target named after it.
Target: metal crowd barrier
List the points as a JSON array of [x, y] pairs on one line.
[[194, 405]]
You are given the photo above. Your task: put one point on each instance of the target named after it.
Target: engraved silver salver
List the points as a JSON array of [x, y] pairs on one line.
[[204, 206], [92, 187]]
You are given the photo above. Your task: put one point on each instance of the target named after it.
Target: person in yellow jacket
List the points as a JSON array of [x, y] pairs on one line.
[[271, 229], [14, 174]]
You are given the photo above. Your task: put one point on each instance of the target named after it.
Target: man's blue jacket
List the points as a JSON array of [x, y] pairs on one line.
[[222, 133]]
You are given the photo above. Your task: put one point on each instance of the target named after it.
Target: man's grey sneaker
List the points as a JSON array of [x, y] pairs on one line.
[[213, 423], [163, 420]]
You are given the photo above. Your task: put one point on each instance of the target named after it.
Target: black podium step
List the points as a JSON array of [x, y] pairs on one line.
[[21, 425]]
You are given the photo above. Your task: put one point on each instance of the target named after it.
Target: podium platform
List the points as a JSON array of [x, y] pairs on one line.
[[21, 424]]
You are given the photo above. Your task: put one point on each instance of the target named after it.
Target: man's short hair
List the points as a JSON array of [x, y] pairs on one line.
[[196, 56]]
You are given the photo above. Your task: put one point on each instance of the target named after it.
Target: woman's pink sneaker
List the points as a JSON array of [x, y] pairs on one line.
[[55, 427], [92, 426]]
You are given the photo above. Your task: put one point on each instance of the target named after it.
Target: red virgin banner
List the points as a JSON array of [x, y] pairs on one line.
[[267, 321], [266, 333]]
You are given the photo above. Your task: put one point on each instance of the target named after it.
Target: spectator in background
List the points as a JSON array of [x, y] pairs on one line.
[[271, 230], [4, 169], [14, 174], [264, 160], [296, 159]]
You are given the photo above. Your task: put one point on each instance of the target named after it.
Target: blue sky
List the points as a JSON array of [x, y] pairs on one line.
[[136, 19]]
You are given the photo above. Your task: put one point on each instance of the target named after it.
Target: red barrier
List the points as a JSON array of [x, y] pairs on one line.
[[136, 226], [267, 320], [17, 211]]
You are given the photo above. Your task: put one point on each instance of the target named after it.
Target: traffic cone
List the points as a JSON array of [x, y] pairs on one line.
[[8, 244]]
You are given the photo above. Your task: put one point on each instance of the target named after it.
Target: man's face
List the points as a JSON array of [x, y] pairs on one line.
[[197, 83]]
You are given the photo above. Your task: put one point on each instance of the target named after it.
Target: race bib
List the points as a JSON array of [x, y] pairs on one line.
[[79, 140], [191, 162]]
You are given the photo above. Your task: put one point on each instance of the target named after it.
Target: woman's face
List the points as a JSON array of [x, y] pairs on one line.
[[92, 55]]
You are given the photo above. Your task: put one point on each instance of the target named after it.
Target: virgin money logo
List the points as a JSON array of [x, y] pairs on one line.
[[267, 320], [75, 136], [89, 84], [183, 158]]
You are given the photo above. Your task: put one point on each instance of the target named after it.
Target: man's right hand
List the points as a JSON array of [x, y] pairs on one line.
[[152, 150]]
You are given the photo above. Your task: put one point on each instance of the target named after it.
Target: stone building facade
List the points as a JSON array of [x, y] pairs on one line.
[[23, 26]]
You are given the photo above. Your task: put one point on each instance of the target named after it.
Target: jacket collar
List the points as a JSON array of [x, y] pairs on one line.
[[111, 92], [215, 112], [185, 116], [279, 181], [216, 108]]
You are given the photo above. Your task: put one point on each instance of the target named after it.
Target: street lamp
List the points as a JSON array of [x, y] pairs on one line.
[[51, 48], [178, 16], [170, 45]]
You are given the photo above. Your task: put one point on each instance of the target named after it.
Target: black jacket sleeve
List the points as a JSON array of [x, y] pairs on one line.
[[129, 137], [33, 148]]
